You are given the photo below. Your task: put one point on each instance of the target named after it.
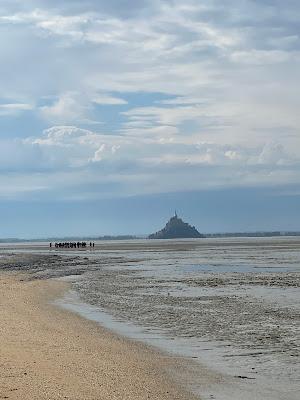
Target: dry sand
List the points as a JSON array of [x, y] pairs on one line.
[[47, 353]]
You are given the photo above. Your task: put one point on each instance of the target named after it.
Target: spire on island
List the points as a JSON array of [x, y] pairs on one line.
[[176, 228]]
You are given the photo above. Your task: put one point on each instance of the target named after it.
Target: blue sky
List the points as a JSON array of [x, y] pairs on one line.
[[114, 113]]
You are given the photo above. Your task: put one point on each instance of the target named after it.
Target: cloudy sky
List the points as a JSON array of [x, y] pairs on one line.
[[114, 113]]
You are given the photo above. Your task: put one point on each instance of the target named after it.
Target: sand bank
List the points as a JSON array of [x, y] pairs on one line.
[[47, 353]]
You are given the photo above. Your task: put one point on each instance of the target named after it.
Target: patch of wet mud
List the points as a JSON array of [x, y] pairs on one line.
[[47, 266], [243, 321]]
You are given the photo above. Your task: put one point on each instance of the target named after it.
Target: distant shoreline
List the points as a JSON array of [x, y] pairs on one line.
[[137, 237]]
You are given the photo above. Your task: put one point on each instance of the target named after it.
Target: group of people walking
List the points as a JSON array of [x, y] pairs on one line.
[[71, 245]]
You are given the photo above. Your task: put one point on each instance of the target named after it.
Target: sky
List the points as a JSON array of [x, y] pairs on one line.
[[113, 114]]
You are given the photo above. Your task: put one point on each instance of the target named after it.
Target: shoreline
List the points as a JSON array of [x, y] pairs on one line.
[[50, 353]]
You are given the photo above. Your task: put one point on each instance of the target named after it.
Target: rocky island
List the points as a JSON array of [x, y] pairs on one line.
[[176, 228]]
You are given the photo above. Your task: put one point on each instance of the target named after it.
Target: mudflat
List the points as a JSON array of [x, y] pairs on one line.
[[226, 310], [48, 353]]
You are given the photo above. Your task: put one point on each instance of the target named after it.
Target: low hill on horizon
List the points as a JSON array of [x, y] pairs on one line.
[[176, 228]]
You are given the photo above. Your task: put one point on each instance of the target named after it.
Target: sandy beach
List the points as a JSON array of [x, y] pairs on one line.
[[46, 353]]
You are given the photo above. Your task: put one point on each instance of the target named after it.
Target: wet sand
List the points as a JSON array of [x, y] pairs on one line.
[[47, 353]]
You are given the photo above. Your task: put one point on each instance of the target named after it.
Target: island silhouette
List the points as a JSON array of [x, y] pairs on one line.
[[176, 228]]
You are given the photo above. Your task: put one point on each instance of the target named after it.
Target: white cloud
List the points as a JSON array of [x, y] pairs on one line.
[[98, 153], [274, 154], [77, 107], [60, 136], [66, 108], [181, 100], [213, 87], [14, 108], [167, 116], [84, 146], [261, 57], [66, 156], [52, 23], [104, 99]]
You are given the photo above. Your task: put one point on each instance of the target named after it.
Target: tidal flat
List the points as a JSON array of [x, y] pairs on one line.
[[231, 305]]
